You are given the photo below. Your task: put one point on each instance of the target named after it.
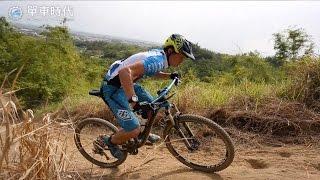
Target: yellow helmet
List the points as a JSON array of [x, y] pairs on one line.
[[180, 45]]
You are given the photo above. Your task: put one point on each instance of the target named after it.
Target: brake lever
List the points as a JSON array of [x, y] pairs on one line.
[[170, 96], [177, 82]]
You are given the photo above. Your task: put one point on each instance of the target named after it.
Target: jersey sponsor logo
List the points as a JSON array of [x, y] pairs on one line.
[[124, 114]]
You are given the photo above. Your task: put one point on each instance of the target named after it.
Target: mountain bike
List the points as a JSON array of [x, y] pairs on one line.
[[196, 141]]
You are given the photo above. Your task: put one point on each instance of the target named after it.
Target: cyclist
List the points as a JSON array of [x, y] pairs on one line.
[[123, 95]]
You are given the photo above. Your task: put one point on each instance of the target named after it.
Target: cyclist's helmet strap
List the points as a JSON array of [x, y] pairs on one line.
[[167, 56]]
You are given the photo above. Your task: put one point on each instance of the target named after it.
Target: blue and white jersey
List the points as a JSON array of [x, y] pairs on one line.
[[153, 62]]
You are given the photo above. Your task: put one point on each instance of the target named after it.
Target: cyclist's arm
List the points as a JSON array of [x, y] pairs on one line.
[[163, 75], [127, 75]]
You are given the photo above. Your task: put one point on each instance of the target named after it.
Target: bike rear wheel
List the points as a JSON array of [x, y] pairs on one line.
[[86, 132], [199, 143]]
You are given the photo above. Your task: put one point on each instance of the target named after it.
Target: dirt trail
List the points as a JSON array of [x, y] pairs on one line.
[[155, 162]]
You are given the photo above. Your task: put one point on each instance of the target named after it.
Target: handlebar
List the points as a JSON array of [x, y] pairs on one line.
[[166, 90], [161, 94]]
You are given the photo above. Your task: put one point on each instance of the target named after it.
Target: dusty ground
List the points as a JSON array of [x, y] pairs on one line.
[[155, 162]]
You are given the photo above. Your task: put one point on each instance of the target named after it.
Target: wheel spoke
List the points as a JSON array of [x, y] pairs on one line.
[[206, 147], [87, 132], [207, 144]]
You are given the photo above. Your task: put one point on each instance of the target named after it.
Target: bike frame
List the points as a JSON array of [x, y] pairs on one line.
[[176, 126], [159, 103]]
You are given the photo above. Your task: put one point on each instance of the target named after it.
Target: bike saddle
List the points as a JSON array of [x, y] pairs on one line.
[[95, 92]]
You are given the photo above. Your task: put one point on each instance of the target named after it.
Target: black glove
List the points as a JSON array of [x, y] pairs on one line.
[[143, 108], [174, 75]]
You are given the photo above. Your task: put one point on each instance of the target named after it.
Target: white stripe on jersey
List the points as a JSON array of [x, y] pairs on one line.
[[143, 56]]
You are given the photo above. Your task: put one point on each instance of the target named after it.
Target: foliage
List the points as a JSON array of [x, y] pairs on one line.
[[305, 82], [292, 44], [120, 50], [108, 50], [51, 65], [56, 66], [209, 66], [94, 69], [249, 67]]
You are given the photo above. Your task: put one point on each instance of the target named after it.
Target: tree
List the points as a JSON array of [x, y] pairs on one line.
[[52, 68], [292, 44]]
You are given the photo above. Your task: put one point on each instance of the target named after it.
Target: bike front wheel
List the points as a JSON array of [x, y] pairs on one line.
[[199, 143], [86, 132]]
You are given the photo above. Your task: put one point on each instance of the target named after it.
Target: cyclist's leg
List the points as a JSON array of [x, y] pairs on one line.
[[142, 94], [118, 103]]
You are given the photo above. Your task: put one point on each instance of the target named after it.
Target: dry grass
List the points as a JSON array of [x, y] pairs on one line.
[[73, 113], [270, 116], [305, 86], [28, 149]]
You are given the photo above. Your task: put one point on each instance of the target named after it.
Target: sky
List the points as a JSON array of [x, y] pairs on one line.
[[222, 26]]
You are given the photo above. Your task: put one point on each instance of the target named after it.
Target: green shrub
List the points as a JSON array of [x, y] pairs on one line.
[[304, 82], [52, 67]]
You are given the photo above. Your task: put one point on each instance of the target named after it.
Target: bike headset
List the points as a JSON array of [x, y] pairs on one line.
[[179, 45]]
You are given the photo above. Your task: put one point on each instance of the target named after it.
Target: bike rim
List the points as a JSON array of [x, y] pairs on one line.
[[87, 134], [205, 148]]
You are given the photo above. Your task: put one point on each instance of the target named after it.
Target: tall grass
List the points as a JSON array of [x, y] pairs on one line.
[[201, 95], [304, 83], [28, 149], [189, 96]]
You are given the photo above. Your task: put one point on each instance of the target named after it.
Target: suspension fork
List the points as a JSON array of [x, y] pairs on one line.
[[177, 127], [173, 120], [186, 126]]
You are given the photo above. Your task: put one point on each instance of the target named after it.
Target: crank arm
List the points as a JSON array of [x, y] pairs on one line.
[[106, 156]]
